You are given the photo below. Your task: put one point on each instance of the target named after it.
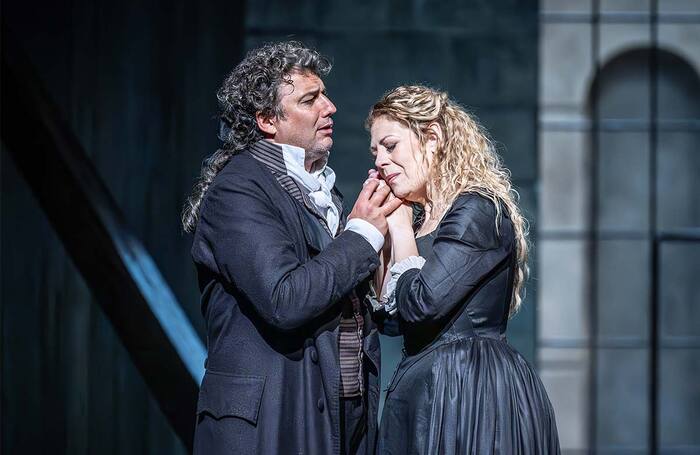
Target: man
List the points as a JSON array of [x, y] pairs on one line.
[[293, 358]]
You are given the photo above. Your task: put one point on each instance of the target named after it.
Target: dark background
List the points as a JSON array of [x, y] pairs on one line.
[[136, 82]]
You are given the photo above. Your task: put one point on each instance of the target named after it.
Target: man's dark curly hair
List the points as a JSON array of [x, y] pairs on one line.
[[252, 87]]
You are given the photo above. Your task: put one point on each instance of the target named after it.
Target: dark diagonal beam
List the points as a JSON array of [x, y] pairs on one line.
[[122, 276]]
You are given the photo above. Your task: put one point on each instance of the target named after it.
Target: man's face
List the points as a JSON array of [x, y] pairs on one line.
[[307, 119]]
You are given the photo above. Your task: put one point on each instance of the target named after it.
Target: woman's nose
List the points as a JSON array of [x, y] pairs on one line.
[[381, 159]]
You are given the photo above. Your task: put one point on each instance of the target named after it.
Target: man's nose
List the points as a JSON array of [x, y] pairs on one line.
[[329, 108]]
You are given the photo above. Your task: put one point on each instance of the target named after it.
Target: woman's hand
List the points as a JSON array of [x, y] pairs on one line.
[[401, 221]]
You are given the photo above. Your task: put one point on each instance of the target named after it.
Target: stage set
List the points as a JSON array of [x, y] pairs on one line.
[[110, 108]]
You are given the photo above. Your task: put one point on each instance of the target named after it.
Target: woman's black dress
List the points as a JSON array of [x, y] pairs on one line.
[[460, 388]]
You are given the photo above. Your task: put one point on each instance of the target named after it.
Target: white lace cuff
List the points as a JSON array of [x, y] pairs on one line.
[[372, 300], [389, 299]]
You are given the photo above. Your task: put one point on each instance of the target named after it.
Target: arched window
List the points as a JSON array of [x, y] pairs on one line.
[[619, 224], [647, 160]]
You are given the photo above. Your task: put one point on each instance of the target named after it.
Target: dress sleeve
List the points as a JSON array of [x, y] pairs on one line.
[[396, 271], [467, 248]]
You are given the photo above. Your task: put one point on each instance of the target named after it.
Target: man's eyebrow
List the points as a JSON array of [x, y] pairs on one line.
[[313, 91]]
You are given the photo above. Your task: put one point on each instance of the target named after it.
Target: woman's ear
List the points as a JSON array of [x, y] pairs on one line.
[[266, 124], [434, 138]]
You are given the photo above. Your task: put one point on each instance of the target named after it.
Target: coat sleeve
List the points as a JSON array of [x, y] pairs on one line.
[[467, 248], [253, 250]]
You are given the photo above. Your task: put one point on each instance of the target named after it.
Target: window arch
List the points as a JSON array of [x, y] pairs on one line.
[[644, 250]]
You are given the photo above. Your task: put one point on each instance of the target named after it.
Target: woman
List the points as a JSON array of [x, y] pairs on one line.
[[452, 285]]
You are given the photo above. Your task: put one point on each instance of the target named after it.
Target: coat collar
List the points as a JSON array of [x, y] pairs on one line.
[[271, 156]]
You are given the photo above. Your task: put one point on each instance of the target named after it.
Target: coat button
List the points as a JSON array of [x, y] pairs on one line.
[[320, 405], [314, 355]]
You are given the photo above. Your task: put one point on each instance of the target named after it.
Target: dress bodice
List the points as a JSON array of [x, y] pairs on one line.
[[483, 310], [459, 388]]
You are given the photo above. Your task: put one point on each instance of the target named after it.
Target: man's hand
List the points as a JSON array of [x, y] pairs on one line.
[[375, 203]]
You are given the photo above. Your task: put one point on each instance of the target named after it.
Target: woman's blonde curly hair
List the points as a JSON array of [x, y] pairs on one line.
[[464, 161]]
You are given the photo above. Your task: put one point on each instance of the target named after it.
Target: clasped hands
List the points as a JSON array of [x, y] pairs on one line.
[[377, 205]]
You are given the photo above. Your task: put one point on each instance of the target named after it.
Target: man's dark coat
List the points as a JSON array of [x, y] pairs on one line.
[[272, 282]]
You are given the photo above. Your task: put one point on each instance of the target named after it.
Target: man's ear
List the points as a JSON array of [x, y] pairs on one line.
[[266, 124]]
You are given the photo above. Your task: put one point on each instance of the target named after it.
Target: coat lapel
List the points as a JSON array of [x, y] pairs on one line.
[[315, 231], [337, 197], [271, 156]]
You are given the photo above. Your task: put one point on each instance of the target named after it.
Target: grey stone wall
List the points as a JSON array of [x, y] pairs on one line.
[[609, 192]]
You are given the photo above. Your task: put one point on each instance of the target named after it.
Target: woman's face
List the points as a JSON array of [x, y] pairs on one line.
[[399, 158]]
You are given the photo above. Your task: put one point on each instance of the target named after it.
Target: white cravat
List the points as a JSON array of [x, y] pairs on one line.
[[319, 183]]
